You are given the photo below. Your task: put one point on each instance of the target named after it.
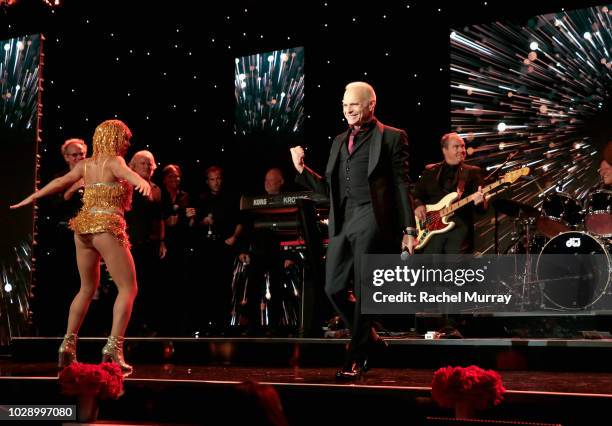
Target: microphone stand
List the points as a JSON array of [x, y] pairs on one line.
[[496, 228]]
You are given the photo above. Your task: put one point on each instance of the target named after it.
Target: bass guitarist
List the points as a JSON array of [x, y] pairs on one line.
[[442, 178]]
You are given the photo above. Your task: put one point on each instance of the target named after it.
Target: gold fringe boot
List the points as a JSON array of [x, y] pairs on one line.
[[113, 352], [67, 351]]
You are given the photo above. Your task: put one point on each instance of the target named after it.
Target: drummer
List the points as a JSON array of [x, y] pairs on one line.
[[598, 219], [605, 173]]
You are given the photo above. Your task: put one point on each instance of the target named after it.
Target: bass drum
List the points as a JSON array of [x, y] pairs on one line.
[[598, 218], [573, 271]]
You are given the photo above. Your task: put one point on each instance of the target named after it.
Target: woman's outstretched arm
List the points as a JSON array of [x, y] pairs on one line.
[[56, 185]]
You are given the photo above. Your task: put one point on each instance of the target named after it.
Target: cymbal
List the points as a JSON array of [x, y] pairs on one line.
[[515, 209]]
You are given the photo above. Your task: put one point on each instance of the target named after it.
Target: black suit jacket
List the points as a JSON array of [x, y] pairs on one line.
[[388, 179], [428, 190]]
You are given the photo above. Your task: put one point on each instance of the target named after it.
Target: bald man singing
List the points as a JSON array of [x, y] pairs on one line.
[[371, 212]]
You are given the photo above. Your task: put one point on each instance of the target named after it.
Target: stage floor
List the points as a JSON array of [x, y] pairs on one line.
[[540, 382]]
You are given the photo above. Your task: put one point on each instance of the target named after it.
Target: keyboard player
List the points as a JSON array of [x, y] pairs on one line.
[[271, 308]]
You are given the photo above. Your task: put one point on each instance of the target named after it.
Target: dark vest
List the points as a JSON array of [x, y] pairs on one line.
[[353, 173]]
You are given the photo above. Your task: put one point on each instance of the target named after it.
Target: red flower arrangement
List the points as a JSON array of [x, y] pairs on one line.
[[104, 380], [467, 385]]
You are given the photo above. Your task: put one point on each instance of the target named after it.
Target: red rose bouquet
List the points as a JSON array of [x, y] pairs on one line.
[[104, 380], [472, 385]]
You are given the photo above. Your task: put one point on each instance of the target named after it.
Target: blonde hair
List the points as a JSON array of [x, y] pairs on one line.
[[111, 137], [73, 141]]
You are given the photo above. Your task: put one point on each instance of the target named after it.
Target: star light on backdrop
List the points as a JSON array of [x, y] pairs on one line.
[[537, 89], [269, 89]]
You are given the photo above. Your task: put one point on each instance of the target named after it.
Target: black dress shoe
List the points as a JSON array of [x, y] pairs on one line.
[[352, 371]]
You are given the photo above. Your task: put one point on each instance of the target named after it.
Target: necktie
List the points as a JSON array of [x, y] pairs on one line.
[[351, 141]]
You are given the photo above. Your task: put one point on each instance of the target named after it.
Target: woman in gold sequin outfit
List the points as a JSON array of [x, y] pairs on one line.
[[99, 232]]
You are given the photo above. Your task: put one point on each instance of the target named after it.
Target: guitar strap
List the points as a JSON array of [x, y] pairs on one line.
[[462, 176]]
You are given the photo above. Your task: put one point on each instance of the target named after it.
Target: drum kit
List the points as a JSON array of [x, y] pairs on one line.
[[562, 226]]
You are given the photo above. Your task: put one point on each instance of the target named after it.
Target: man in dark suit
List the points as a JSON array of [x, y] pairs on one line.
[[215, 231], [440, 179], [370, 210]]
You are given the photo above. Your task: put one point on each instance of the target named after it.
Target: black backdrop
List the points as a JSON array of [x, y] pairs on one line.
[[167, 71]]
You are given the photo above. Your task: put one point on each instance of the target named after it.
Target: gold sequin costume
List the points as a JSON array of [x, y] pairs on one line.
[[103, 207], [105, 202]]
